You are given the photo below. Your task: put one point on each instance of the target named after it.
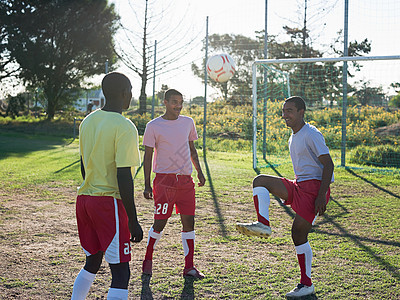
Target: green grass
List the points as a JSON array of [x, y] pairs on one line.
[[356, 245], [27, 160]]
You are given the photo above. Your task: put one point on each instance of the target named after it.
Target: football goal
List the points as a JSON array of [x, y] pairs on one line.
[[347, 99]]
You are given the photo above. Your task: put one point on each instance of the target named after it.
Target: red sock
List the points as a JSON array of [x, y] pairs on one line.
[[304, 256], [189, 257], [188, 248], [154, 237], [302, 262], [150, 249]]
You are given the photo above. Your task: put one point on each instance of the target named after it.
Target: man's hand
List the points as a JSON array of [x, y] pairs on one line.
[[328, 166], [148, 192], [320, 205], [202, 179], [136, 232]]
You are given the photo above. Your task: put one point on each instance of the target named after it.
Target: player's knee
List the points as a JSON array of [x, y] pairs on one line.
[[260, 180], [188, 227], [299, 235], [257, 181], [187, 223], [120, 275], [159, 224], [93, 262]]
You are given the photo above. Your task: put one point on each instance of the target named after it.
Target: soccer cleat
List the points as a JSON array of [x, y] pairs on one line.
[[193, 272], [147, 267], [301, 290], [254, 229]]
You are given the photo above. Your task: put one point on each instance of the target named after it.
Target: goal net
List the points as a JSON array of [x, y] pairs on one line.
[[353, 101]]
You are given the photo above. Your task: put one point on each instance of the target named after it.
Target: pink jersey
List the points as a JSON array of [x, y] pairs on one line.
[[170, 139]]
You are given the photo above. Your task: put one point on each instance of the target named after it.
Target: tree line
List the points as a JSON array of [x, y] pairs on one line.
[[313, 81], [54, 46]]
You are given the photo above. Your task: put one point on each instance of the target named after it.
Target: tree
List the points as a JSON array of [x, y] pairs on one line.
[[16, 105], [8, 67], [199, 100], [310, 81], [354, 49], [395, 101], [160, 93], [59, 43], [173, 42], [315, 81], [396, 86], [367, 95]]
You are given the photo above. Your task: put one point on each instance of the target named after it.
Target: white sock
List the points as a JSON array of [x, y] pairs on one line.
[[152, 241], [307, 251], [190, 235], [117, 294], [82, 284], [154, 235], [261, 201]]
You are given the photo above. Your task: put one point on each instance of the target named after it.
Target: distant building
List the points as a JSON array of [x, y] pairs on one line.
[[90, 100]]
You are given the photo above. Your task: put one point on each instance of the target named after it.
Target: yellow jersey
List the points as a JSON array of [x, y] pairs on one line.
[[107, 141]]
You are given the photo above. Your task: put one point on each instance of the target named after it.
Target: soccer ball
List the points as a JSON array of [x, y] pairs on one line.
[[221, 67]]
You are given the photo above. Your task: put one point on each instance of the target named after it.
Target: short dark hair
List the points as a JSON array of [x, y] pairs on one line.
[[298, 102], [113, 84], [172, 92]]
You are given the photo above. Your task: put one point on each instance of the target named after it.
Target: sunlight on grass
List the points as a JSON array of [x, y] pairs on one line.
[[355, 244]]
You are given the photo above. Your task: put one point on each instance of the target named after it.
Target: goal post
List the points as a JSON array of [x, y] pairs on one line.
[[319, 82]]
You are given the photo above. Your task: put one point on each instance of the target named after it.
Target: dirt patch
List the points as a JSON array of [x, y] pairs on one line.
[[393, 129], [34, 235], [41, 255], [229, 135]]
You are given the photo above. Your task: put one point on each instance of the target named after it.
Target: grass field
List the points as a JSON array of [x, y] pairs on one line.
[[356, 245]]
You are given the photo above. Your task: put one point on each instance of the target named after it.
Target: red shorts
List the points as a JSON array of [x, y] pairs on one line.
[[103, 226], [170, 189], [302, 197]]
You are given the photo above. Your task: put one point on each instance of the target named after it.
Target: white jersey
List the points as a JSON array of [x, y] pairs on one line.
[[305, 147]]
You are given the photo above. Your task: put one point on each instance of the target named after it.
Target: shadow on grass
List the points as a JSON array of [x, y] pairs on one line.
[[66, 167], [138, 170], [186, 294], [394, 270], [285, 207], [358, 240], [18, 145], [215, 200], [146, 293], [372, 183], [188, 289]]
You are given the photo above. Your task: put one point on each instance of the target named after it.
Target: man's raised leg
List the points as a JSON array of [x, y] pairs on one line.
[[262, 186]]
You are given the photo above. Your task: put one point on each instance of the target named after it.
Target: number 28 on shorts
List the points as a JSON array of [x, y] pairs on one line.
[[161, 208]]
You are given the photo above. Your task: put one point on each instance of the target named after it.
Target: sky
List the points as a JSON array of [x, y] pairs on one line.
[[376, 20], [179, 26]]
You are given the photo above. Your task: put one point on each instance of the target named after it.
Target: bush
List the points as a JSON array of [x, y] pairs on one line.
[[395, 101], [16, 105], [140, 121], [379, 156]]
